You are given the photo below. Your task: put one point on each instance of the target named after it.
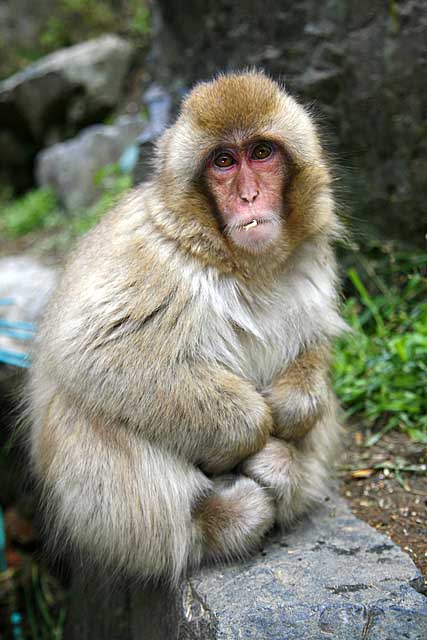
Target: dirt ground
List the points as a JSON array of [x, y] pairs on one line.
[[386, 486]]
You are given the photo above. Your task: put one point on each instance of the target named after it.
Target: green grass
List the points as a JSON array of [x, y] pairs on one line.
[[78, 20], [39, 211], [380, 368]]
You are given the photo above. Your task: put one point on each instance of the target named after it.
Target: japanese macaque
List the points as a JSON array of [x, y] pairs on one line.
[[180, 397]]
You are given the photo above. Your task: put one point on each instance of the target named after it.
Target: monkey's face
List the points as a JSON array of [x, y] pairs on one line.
[[246, 183]]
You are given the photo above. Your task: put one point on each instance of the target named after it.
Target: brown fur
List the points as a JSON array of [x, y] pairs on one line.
[[218, 109], [298, 396], [169, 356]]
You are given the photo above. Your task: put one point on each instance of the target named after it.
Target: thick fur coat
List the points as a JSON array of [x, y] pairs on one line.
[[169, 357]]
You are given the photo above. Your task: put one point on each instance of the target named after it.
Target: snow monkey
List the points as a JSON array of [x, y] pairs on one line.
[[180, 395]]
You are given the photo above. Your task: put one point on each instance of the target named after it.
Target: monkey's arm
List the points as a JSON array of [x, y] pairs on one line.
[[122, 341], [206, 414], [295, 464], [144, 375], [300, 393]]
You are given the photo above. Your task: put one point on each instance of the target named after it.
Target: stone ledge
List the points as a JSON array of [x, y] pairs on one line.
[[332, 577]]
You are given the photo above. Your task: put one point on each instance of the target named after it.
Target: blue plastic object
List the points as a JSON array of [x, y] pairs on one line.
[[3, 563], [18, 331]]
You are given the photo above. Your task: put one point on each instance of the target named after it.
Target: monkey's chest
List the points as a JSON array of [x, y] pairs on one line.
[[255, 344], [255, 334], [263, 355]]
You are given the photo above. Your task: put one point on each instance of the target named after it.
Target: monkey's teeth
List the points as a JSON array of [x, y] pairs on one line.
[[250, 225]]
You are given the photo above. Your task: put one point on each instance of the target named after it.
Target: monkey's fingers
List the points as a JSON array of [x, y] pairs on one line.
[[295, 479], [272, 466]]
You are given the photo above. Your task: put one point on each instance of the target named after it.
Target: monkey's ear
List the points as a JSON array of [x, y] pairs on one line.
[[161, 150], [185, 150]]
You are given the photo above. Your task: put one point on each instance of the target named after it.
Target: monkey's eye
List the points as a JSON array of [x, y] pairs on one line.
[[262, 151], [223, 160]]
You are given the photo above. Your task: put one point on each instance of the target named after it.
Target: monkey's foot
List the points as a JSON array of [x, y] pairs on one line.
[[234, 519], [272, 467]]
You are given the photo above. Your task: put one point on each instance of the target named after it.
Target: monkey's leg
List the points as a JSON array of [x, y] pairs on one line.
[[296, 474], [295, 464], [131, 505]]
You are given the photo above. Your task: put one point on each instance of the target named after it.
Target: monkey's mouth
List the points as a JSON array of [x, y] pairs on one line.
[[254, 234], [255, 222]]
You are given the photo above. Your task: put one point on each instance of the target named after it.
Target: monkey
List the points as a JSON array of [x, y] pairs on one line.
[[179, 396]]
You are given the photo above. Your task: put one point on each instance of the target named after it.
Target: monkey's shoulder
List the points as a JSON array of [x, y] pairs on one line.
[[117, 275]]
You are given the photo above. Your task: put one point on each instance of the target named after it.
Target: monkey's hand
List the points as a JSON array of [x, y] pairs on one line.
[[295, 478], [235, 422], [300, 394], [210, 416], [271, 467]]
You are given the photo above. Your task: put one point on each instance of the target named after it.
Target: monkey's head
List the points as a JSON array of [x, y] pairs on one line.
[[243, 165]]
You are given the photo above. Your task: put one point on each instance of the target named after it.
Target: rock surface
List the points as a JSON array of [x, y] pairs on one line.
[[71, 167], [331, 577], [55, 97], [362, 63]]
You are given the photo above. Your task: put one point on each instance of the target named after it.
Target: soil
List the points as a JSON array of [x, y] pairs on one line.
[[393, 502]]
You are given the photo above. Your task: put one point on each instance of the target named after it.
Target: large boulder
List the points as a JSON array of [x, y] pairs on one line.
[[71, 167], [331, 577], [362, 63], [54, 98]]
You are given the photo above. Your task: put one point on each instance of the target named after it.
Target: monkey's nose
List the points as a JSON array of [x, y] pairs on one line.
[[249, 196]]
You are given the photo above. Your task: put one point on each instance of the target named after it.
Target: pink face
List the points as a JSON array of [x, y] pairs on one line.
[[247, 185]]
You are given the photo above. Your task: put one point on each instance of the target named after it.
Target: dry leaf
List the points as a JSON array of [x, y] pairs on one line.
[[362, 473]]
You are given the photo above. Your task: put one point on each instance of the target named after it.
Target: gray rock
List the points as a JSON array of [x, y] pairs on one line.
[[71, 167], [360, 62], [52, 99], [95, 69], [331, 577]]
